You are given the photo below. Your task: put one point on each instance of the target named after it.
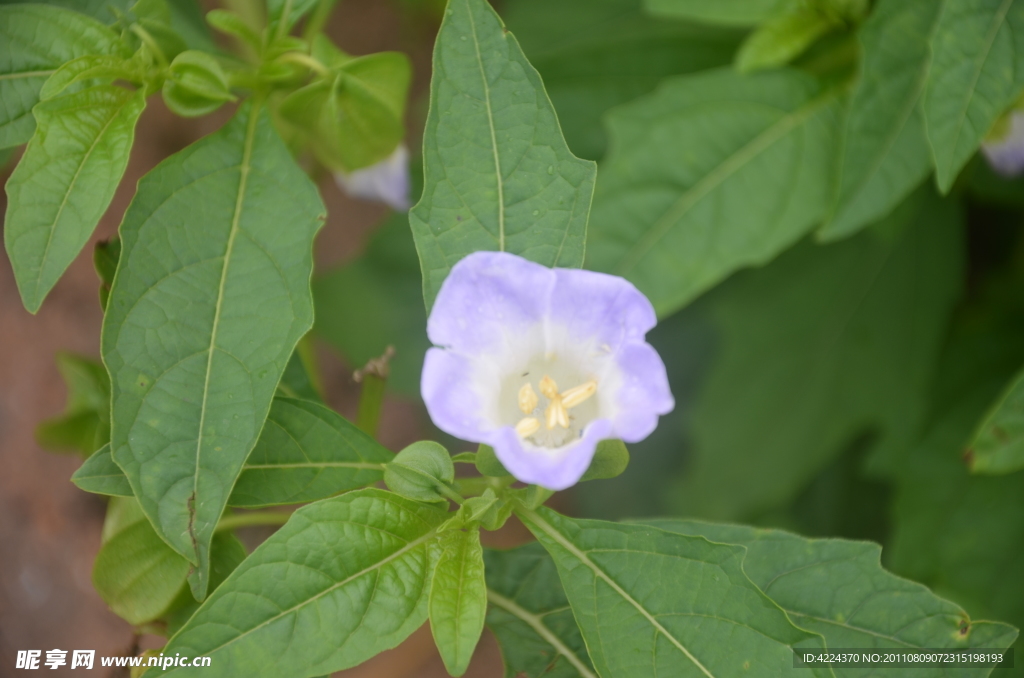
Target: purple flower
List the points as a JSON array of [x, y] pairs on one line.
[[387, 181], [1005, 150], [541, 364]]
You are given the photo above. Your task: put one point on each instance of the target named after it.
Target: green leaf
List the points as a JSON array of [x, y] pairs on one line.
[[728, 12], [977, 73], [305, 452], [300, 379], [101, 475], [530, 616], [883, 152], [420, 471], [783, 38], [814, 355], [376, 301], [458, 599], [610, 460], [353, 116], [226, 554], [358, 571], [136, 573], [838, 588], [487, 462], [100, 68], [653, 603], [65, 181], [290, 10], [210, 299], [596, 54], [998, 445], [36, 40], [498, 174], [104, 260], [85, 422], [711, 173]]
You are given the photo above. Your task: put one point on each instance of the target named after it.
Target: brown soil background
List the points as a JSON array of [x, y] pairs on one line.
[[50, 530]]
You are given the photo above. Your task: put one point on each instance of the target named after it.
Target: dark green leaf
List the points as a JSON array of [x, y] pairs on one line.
[[357, 572], [654, 603], [530, 616], [305, 452], [729, 12], [815, 353], [458, 598], [375, 302], [65, 181], [104, 260], [299, 379], [34, 41], [85, 423], [498, 174], [998, 446], [136, 572], [977, 71], [596, 54], [211, 297], [610, 460], [226, 554], [839, 589], [711, 173], [883, 152]]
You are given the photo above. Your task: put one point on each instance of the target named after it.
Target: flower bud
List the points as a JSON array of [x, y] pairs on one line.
[[419, 470], [195, 85]]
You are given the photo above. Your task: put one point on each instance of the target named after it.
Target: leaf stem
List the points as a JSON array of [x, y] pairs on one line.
[[235, 520]]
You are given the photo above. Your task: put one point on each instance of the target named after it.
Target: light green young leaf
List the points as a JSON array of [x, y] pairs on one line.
[[376, 301], [838, 588], [305, 452], [498, 174], [35, 40], [102, 67], [65, 181], [136, 573], [530, 616], [290, 10], [654, 603], [977, 72], [783, 38], [358, 571], [828, 322], [458, 599], [728, 12], [998, 444], [211, 297], [85, 423], [596, 54], [883, 152], [711, 173]]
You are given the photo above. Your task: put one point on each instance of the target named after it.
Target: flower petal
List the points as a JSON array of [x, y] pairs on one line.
[[1006, 155], [450, 394], [644, 394], [554, 469], [387, 181], [601, 308], [489, 301]]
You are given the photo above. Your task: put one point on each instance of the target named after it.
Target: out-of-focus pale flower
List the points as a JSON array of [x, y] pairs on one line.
[[1004, 148], [541, 364], [387, 181]]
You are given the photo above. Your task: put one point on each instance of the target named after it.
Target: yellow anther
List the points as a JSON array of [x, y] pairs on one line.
[[556, 414], [527, 427], [548, 387], [527, 399], [577, 394]]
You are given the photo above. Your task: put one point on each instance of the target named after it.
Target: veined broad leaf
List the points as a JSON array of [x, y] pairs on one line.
[[305, 452], [883, 152], [998, 445], [354, 574], [65, 181], [226, 554], [711, 173], [829, 323], [458, 598], [729, 12], [498, 174], [530, 616], [210, 299], [839, 589], [654, 603], [35, 40]]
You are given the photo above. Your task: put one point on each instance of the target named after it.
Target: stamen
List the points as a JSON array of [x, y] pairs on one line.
[[577, 394], [556, 414], [527, 399], [527, 427], [548, 387]]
